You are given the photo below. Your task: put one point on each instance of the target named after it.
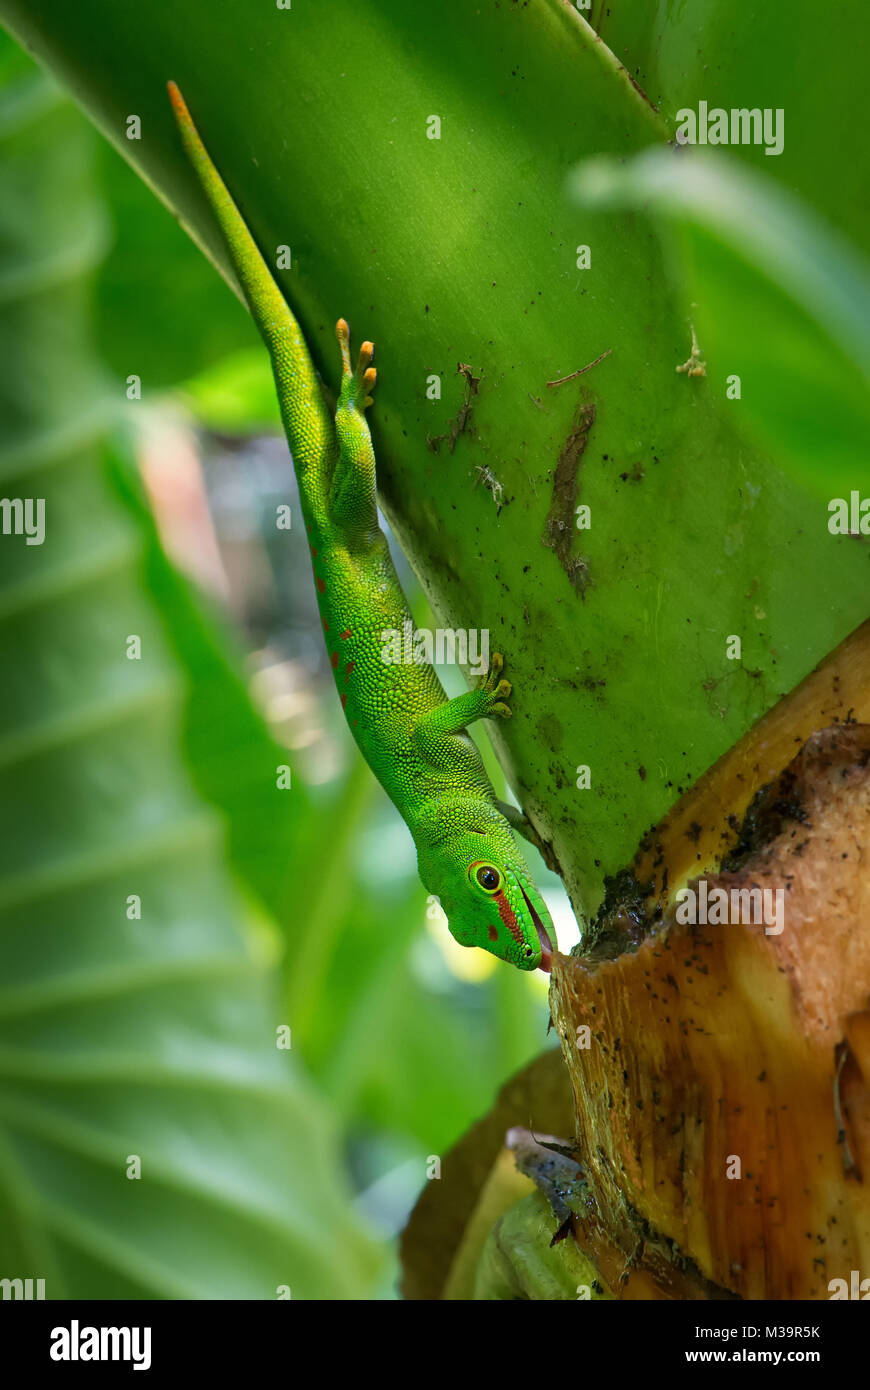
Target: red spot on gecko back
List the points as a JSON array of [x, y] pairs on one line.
[[344, 635], [313, 553], [344, 703], [334, 660], [320, 584], [325, 625], [348, 668]]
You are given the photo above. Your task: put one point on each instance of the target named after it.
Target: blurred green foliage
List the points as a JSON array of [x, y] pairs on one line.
[[138, 1013], [159, 305], [807, 61], [751, 254]]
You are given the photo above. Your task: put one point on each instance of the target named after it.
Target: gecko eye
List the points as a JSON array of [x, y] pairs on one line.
[[529, 950], [488, 877]]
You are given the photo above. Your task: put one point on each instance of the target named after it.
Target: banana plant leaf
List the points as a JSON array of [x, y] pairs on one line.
[[463, 251]]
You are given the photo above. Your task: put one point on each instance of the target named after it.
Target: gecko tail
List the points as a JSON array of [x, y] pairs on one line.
[[264, 299], [307, 421], [179, 105]]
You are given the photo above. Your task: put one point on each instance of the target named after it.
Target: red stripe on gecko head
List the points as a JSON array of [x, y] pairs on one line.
[[509, 917]]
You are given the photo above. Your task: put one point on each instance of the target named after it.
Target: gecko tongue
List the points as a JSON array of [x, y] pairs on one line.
[[546, 944]]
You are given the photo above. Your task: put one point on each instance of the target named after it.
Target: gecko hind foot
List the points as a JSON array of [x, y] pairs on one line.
[[497, 691], [357, 383]]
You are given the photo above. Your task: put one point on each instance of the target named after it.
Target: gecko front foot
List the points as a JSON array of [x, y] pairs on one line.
[[357, 383], [496, 691]]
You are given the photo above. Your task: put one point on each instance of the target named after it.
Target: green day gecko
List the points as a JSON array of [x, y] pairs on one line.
[[413, 737]]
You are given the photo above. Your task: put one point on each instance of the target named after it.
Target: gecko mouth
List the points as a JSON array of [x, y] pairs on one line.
[[543, 939]]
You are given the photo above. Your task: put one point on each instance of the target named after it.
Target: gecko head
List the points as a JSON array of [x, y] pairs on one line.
[[472, 863]]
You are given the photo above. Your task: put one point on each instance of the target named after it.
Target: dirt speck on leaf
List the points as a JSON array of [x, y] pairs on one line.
[[559, 528]]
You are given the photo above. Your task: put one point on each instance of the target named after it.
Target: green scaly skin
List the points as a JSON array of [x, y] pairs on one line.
[[410, 734]]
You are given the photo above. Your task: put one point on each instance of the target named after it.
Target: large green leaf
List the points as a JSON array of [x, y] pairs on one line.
[[122, 1036], [463, 249]]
